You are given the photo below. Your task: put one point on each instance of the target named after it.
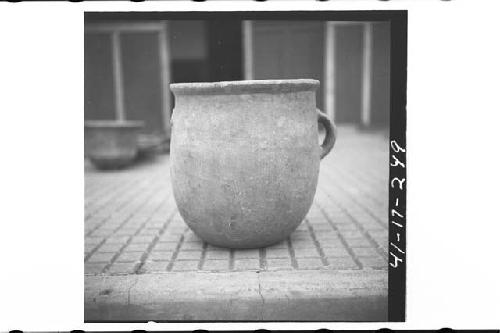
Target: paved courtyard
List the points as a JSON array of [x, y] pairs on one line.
[[143, 263]]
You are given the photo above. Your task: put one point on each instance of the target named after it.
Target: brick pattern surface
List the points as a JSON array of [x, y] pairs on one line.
[[132, 225]]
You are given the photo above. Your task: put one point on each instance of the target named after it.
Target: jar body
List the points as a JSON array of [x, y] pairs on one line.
[[244, 167]]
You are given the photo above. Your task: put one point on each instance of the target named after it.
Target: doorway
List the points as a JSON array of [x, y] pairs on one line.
[[289, 50]]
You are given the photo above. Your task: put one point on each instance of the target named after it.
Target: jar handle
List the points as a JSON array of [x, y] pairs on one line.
[[331, 133]]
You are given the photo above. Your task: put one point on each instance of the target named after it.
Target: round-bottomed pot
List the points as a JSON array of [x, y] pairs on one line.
[[111, 144], [245, 158]]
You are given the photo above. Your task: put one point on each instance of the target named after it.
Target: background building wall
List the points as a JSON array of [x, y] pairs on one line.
[[141, 79], [289, 50], [381, 84], [138, 89], [189, 51], [98, 71], [348, 73], [225, 50], [212, 50]]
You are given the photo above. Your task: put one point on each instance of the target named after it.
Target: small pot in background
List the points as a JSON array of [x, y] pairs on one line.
[[111, 144]]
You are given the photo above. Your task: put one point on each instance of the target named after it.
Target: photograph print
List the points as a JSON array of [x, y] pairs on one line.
[[238, 166]]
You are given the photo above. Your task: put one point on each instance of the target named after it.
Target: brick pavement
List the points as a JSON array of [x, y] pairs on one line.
[[132, 226]]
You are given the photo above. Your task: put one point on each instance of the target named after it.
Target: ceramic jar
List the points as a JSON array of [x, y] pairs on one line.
[[245, 158]]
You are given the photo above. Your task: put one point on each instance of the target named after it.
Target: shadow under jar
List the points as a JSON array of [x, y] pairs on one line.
[[245, 158]]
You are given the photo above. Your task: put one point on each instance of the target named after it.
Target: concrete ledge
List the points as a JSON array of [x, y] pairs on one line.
[[238, 296]]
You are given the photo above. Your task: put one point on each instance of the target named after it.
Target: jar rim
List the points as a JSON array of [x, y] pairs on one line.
[[244, 87], [113, 124]]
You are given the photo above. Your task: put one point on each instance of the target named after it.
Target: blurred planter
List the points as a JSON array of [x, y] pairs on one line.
[[112, 144]]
